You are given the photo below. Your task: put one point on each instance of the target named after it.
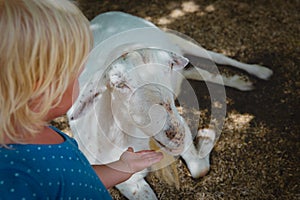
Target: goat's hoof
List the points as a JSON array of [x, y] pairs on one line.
[[262, 72], [199, 168]]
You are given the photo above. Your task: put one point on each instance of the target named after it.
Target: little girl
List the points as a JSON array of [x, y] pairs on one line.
[[44, 45]]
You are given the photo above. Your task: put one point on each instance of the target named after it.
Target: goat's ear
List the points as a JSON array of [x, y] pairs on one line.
[[90, 94], [178, 62]]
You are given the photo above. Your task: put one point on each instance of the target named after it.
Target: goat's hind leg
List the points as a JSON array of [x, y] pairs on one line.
[[235, 81], [256, 70], [190, 48]]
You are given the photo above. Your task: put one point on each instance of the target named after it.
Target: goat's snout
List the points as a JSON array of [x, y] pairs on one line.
[[175, 133], [172, 136], [170, 133]]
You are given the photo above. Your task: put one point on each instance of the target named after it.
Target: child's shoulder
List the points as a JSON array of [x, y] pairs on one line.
[[42, 170], [18, 154], [66, 137]]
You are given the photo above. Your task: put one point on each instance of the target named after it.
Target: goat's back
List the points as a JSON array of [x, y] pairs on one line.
[[116, 33]]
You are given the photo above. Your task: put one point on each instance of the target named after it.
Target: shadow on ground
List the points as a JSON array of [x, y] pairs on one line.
[[257, 155]]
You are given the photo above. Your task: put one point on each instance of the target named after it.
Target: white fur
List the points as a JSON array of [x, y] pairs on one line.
[[127, 96]]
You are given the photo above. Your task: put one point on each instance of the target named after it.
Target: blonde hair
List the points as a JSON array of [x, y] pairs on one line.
[[44, 44]]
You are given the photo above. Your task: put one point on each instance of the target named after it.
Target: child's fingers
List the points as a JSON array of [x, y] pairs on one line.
[[142, 160], [130, 149], [145, 151], [153, 155], [153, 160]]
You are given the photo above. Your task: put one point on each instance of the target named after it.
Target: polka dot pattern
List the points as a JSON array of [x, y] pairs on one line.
[[58, 171]]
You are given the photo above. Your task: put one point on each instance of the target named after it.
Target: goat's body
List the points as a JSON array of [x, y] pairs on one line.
[[107, 130]]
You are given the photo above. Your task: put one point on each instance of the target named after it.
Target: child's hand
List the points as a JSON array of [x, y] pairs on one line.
[[129, 163], [137, 161]]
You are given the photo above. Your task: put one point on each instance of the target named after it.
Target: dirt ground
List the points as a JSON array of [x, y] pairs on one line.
[[257, 155]]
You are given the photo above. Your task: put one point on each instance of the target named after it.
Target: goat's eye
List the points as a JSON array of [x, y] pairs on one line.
[[172, 65], [121, 85], [167, 106]]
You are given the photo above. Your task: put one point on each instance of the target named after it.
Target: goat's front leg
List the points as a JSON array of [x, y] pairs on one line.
[[197, 159], [136, 188]]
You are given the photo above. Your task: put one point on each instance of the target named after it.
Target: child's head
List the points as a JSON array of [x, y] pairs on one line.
[[44, 44]]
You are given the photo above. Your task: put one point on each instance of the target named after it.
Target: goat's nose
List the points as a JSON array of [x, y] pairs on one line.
[[175, 134], [171, 133]]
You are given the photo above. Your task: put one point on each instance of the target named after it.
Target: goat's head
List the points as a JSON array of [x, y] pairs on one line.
[[140, 84], [142, 95]]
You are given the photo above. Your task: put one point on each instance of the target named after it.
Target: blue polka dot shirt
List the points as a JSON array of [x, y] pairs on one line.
[[58, 171]]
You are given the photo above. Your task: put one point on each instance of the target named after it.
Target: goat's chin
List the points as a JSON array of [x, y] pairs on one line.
[[171, 150]]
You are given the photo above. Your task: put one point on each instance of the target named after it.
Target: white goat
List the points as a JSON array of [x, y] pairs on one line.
[[128, 88]]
